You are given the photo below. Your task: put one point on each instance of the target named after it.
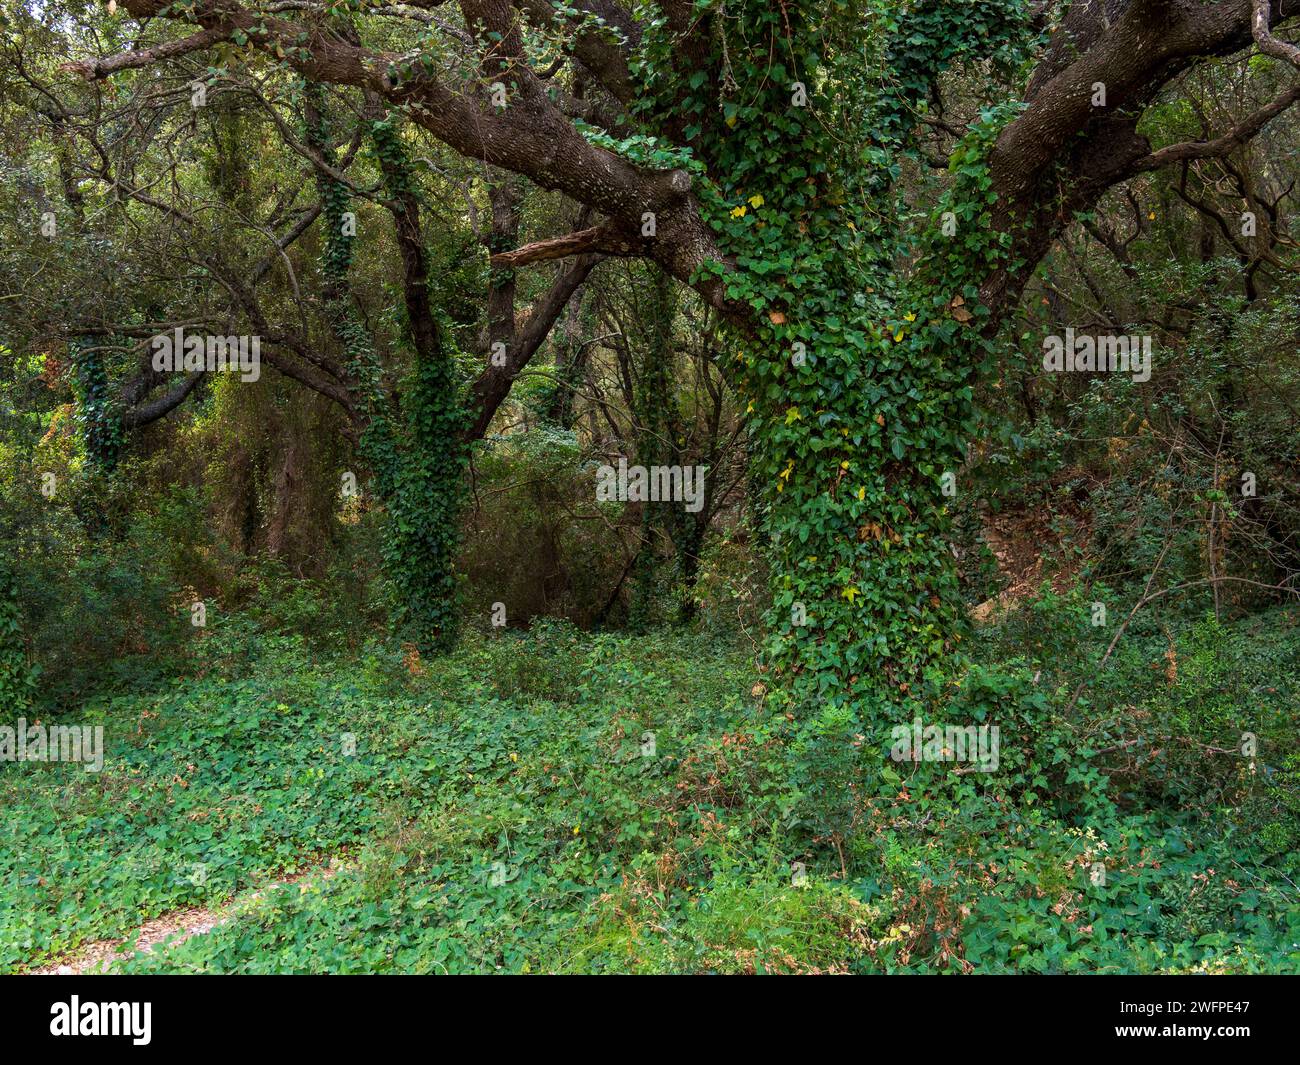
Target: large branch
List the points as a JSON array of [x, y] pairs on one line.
[[98, 69], [609, 240], [1151, 42], [1062, 153], [591, 45], [529, 136], [1229, 142], [136, 417], [1260, 18]]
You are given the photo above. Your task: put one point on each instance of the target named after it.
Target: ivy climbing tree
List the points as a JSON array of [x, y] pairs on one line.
[[98, 418], [15, 677], [412, 439]]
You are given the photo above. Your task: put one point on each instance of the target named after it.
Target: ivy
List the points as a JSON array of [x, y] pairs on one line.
[[415, 449], [857, 381], [15, 677], [426, 500], [98, 418]]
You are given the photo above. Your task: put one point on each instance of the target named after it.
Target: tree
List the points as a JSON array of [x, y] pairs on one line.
[[752, 150]]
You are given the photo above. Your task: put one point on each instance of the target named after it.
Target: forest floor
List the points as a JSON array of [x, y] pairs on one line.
[[169, 930], [501, 810]]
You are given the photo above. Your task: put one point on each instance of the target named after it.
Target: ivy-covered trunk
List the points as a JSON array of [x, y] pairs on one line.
[[859, 342], [852, 450], [652, 398], [15, 677], [416, 451], [99, 422]]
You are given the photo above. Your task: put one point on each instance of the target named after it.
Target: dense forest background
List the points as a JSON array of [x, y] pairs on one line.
[[363, 628]]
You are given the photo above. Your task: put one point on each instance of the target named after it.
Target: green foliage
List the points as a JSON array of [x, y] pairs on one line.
[[416, 451], [15, 674], [859, 386], [424, 507], [503, 812], [542, 798], [108, 608], [535, 538], [98, 420]]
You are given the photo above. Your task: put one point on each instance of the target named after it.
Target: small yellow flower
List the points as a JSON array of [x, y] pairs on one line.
[[862, 493], [577, 830], [514, 757], [898, 337]]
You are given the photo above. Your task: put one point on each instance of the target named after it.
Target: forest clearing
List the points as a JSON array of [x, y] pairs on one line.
[[664, 487]]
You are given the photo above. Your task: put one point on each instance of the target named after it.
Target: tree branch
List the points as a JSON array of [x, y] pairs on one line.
[[609, 240], [1233, 139]]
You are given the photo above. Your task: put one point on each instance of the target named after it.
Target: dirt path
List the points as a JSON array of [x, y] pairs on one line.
[[172, 928]]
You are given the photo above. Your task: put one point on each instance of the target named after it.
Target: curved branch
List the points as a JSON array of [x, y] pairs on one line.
[[136, 417], [98, 69], [1261, 14]]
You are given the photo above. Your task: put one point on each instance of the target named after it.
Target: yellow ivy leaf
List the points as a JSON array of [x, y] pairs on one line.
[[756, 201], [850, 593], [793, 415]]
